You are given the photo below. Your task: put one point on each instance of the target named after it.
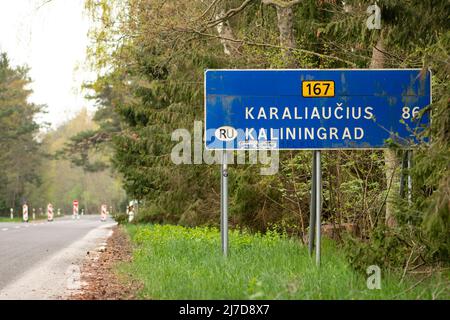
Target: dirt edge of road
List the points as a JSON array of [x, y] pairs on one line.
[[99, 277]]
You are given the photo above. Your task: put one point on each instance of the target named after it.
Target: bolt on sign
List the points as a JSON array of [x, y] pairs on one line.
[[315, 109]]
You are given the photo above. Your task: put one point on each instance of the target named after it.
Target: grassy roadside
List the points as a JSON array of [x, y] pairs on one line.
[[19, 219], [174, 262]]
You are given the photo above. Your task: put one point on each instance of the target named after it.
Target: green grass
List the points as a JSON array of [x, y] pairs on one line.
[[19, 219], [8, 219], [174, 262]]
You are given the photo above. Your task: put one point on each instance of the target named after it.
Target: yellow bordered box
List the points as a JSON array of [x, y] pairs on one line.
[[317, 88]]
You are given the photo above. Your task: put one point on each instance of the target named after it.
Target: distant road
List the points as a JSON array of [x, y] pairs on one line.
[[38, 259]]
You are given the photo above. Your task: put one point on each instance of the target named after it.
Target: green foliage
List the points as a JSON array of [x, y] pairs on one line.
[[156, 60], [63, 182], [121, 218], [415, 34], [20, 156]]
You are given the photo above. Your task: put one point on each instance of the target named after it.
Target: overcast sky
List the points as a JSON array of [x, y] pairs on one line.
[[52, 41]]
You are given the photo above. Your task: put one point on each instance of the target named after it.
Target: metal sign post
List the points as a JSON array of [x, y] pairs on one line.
[[312, 206], [224, 203], [318, 200], [315, 206], [409, 160], [406, 164]]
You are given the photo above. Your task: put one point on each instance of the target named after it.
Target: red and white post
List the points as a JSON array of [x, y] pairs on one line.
[[103, 212], [49, 212], [25, 212], [75, 210]]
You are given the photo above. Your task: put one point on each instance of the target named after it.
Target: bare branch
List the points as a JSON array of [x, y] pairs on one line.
[[207, 10], [282, 4], [268, 45], [43, 4], [230, 13]]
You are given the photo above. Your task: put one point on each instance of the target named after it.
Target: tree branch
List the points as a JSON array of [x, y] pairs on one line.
[[268, 45], [230, 13], [281, 4]]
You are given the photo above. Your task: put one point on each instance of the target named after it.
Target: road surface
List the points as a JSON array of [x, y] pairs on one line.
[[40, 260]]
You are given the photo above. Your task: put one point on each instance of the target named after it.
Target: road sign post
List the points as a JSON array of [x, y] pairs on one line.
[[318, 203], [312, 206], [224, 203], [312, 110], [409, 164], [406, 165]]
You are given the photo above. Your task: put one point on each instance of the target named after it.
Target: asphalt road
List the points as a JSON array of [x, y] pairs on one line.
[[34, 256]]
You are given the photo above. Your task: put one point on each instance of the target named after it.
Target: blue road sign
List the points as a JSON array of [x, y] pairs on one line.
[[314, 109]]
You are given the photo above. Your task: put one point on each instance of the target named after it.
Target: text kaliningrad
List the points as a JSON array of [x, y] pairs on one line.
[[338, 112]]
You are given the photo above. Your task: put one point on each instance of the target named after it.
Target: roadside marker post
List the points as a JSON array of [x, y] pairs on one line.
[[322, 109], [75, 209], [25, 212], [103, 212], [49, 212], [59, 212], [34, 214], [11, 213], [130, 212]]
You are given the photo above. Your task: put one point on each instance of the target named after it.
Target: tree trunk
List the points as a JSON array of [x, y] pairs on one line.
[[230, 48], [287, 37], [285, 22], [390, 158]]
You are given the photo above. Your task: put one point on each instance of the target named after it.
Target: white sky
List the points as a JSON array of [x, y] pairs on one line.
[[52, 41]]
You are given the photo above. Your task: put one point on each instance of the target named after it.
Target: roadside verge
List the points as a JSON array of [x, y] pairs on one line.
[[99, 277]]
